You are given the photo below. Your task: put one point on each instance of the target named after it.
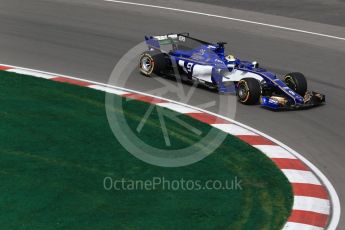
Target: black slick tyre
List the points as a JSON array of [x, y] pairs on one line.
[[297, 82], [153, 62], [248, 91]]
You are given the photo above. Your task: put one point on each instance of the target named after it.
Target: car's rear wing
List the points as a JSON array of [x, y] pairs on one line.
[[155, 42]]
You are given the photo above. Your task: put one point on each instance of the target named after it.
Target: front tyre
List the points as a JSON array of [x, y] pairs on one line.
[[297, 82], [248, 91], [152, 62]]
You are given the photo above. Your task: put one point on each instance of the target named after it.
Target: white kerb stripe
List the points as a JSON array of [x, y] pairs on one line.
[[275, 151], [234, 129], [312, 204], [300, 176], [108, 90], [178, 108], [298, 226], [32, 73]]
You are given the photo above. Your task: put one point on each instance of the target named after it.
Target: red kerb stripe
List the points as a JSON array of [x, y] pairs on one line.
[[317, 191], [144, 98], [307, 217], [255, 140], [208, 118], [5, 67], [283, 163], [71, 81]]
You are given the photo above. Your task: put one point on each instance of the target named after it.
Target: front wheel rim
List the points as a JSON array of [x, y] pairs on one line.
[[146, 64], [290, 83], [242, 92]]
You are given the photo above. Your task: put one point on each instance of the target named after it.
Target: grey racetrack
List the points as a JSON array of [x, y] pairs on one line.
[[86, 38]]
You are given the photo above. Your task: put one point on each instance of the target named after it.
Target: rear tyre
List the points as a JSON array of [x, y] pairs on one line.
[[153, 62], [297, 82], [248, 91]]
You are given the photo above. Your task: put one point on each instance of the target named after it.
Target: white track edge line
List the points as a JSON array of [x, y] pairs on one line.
[[335, 207], [228, 18]]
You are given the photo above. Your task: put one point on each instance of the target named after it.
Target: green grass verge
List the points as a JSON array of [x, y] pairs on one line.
[[56, 148]]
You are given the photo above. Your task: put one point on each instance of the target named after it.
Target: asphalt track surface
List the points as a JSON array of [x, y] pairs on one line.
[[323, 11], [87, 38]]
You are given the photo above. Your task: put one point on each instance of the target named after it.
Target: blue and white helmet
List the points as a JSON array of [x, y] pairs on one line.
[[231, 61]]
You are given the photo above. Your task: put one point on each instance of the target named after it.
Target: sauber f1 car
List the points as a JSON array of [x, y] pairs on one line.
[[196, 61]]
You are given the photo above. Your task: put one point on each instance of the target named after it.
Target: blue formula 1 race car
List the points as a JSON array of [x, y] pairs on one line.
[[192, 60]]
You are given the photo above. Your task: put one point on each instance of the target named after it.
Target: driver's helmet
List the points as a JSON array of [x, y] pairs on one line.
[[230, 58], [231, 62]]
